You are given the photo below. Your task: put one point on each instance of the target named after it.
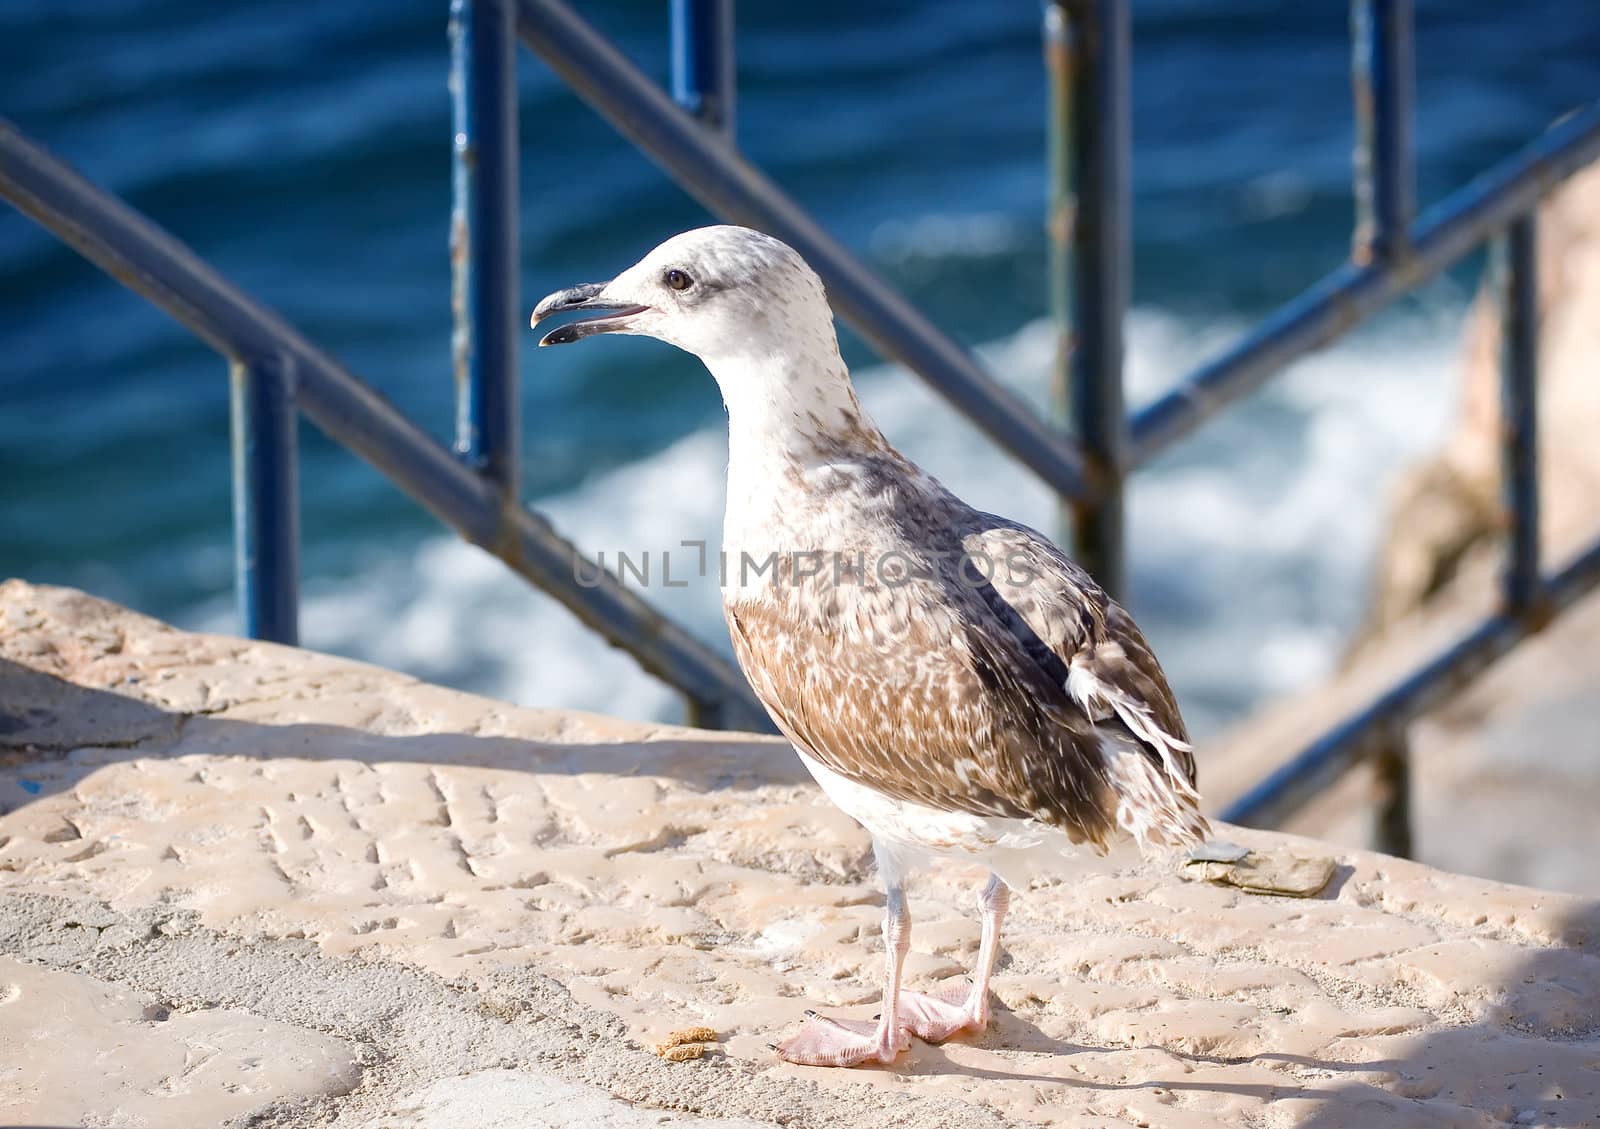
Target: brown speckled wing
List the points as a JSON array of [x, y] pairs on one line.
[[1061, 606], [950, 692]]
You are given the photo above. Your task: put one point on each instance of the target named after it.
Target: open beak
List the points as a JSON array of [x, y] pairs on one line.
[[584, 297]]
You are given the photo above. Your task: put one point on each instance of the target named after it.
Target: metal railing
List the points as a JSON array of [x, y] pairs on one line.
[[1085, 456]]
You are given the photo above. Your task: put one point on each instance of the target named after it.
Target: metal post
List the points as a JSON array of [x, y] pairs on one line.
[[703, 74], [1086, 52], [266, 509], [1391, 779], [702, 714], [1382, 80], [1516, 281], [483, 237]]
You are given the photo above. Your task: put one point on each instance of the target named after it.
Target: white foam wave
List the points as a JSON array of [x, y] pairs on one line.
[[1250, 543], [940, 236]]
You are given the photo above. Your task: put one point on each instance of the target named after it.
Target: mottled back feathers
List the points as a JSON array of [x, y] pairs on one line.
[[958, 660]]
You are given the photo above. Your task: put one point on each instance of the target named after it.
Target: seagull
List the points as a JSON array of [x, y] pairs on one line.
[[953, 680]]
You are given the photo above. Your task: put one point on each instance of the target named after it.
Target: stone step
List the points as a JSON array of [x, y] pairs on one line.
[[315, 892]]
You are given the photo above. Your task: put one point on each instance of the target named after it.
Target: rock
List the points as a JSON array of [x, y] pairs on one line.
[[150, 1065], [1281, 872], [1446, 512]]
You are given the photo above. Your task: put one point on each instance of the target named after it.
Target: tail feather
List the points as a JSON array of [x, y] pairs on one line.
[[1102, 701], [1153, 804]]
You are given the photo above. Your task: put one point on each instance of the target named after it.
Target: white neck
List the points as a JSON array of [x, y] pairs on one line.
[[786, 416], [787, 412]]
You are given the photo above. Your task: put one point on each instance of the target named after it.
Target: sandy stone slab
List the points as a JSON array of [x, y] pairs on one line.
[[74, 1050], [411, 1029], [295, 806], [510, 1099]]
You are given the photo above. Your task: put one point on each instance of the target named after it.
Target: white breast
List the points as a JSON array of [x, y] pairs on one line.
[[908, 834]]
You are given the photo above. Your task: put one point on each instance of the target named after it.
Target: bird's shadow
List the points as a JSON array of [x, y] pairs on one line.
[[45, 719], [1015, 1035]]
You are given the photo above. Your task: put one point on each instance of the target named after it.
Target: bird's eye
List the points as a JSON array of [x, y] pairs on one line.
[[678, 280]]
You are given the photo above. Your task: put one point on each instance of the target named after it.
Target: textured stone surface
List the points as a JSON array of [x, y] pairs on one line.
[[453, 887], [517, 1099], [75, 1050]]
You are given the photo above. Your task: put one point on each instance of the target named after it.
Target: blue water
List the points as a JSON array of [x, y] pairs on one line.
[[304, 150]]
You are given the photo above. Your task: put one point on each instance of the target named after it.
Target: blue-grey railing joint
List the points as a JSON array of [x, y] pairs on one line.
[[1086, 53]]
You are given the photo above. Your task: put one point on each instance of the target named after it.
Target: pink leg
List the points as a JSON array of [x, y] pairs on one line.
[[845, 1042], [935, 1017]]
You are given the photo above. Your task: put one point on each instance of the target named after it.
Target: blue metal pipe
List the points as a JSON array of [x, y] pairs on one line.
[[266, 499], [1382, 78], [1516, 276], [1307, 775], [484, 238], [703, 72], [1086, 54], [153, 264], [711, 170], [1343, 299]]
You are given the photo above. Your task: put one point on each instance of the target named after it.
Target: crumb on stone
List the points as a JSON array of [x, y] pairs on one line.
[[681, 1052], [689, 1035]]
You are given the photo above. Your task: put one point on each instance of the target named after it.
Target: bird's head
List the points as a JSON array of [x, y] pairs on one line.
[[722, 293]]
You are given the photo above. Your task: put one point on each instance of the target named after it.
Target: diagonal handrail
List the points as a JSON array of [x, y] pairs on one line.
[[156, 265], [1444, 235], [1305, 776]]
